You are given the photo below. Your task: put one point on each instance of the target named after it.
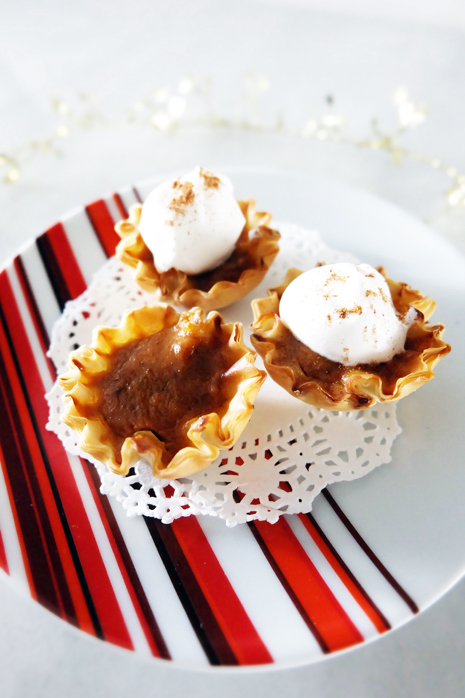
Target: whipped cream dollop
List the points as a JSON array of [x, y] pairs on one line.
[[191, 223], [345, 313]]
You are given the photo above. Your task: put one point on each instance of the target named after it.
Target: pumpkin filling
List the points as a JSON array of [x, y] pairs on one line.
[[239, 260], [307, 365], [161, 382]]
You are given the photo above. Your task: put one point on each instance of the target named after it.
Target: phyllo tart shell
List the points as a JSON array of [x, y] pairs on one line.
[[165, 388], [329, 385], [227, 283]]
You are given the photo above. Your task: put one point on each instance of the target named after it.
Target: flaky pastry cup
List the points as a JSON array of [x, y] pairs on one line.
[[206, 433], [210, 290], [336, 387]]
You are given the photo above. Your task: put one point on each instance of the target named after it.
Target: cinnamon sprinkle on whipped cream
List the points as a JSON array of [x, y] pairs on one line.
[[191, 223], [186, 197], [211, 180], [345, 313]]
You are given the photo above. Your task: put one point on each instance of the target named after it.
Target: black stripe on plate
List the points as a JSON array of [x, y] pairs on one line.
[[276, 569], [53, 269], [346, 569], [369, 552], [190, 594]]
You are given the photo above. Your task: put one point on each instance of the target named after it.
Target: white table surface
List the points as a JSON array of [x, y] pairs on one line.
[[117, 52]]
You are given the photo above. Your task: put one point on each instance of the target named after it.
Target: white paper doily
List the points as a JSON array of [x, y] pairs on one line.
[[288, 452]]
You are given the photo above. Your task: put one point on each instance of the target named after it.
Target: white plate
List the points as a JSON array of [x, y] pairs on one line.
[[373, 552]]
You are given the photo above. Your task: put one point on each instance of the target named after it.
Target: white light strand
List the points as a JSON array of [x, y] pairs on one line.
[[169, 110]]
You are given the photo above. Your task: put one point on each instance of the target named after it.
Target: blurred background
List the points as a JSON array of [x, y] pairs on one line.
[[94, 95]]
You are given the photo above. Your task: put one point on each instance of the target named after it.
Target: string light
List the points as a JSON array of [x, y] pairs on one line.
[[167, 110]]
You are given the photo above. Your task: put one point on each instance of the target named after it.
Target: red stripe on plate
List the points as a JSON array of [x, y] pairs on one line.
[[66, 260], [219, 593], [104, 226], [3, 560], [121, 207], [190, 594], [325, 612], [103, 596], [345, 575]]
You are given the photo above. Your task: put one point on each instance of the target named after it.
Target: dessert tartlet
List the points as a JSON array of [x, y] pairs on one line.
[[165, 388], [193, 244], [334, 384]]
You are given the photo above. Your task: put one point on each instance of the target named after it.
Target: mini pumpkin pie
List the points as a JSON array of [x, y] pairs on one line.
[[193, 244], [341, 336], [165, 388]]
